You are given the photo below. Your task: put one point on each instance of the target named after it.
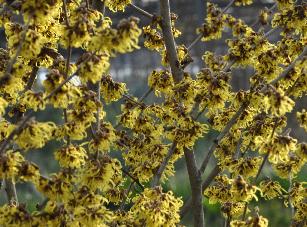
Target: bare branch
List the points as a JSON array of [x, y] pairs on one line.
[[158, 175], [290, 67], [146, 94], [215, 171], [169, 40], [228, 6], [133, 178], [195, 41], [145, 13], [224, 132], [65, 13], [11, 192], [196, 188]]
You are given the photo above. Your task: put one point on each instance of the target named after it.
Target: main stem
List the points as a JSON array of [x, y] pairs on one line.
[[177, 73], [196, 188], [170, 41]]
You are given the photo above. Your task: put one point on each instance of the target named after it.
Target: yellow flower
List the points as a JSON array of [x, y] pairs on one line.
[[82, 23], [145, 159], [127, 35], [187, 133], [155, 208], [232, 210], [183, 57], [65, 95], [129, 113], [214, 24], [297, 194], [300, 213], [41, 11], [29, 172], [111, 90], [3, 105], [279, 103], [161, 81], [117, 5], [185, 91], [302, 119], [153, 38], [86, 197], [32, 100], [241, 191], [302, 151], [219, 191], [278, 148], [15, 215], [243, 2], [289, 167], [84, 109], [93, 69], [258, 221], [92, 215], [104, 138], [55, 188], [271, 189], [75, 131], [284, 4], [102, 174], [71, 156], [123, 39], [215, 63], [32, 44], [5, 129], [36, 135], [11, 163], [246, 167]]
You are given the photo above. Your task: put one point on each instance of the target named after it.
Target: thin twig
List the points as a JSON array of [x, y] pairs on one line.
[[158, 174], [32, 78], [289, 199], [132, 100], [66, 14], [195, 41], [87, 3], [270, 32], [228, 6], [258, 20], [244, 212], [145, 13], [133, 178], [146, 94], [98, 86], [60, 86], [224, 132], [122, 205]]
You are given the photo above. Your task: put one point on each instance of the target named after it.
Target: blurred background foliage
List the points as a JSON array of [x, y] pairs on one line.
[[133, 69]]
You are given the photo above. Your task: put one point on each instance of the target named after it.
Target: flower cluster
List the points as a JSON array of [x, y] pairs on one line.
[[155, 208]]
